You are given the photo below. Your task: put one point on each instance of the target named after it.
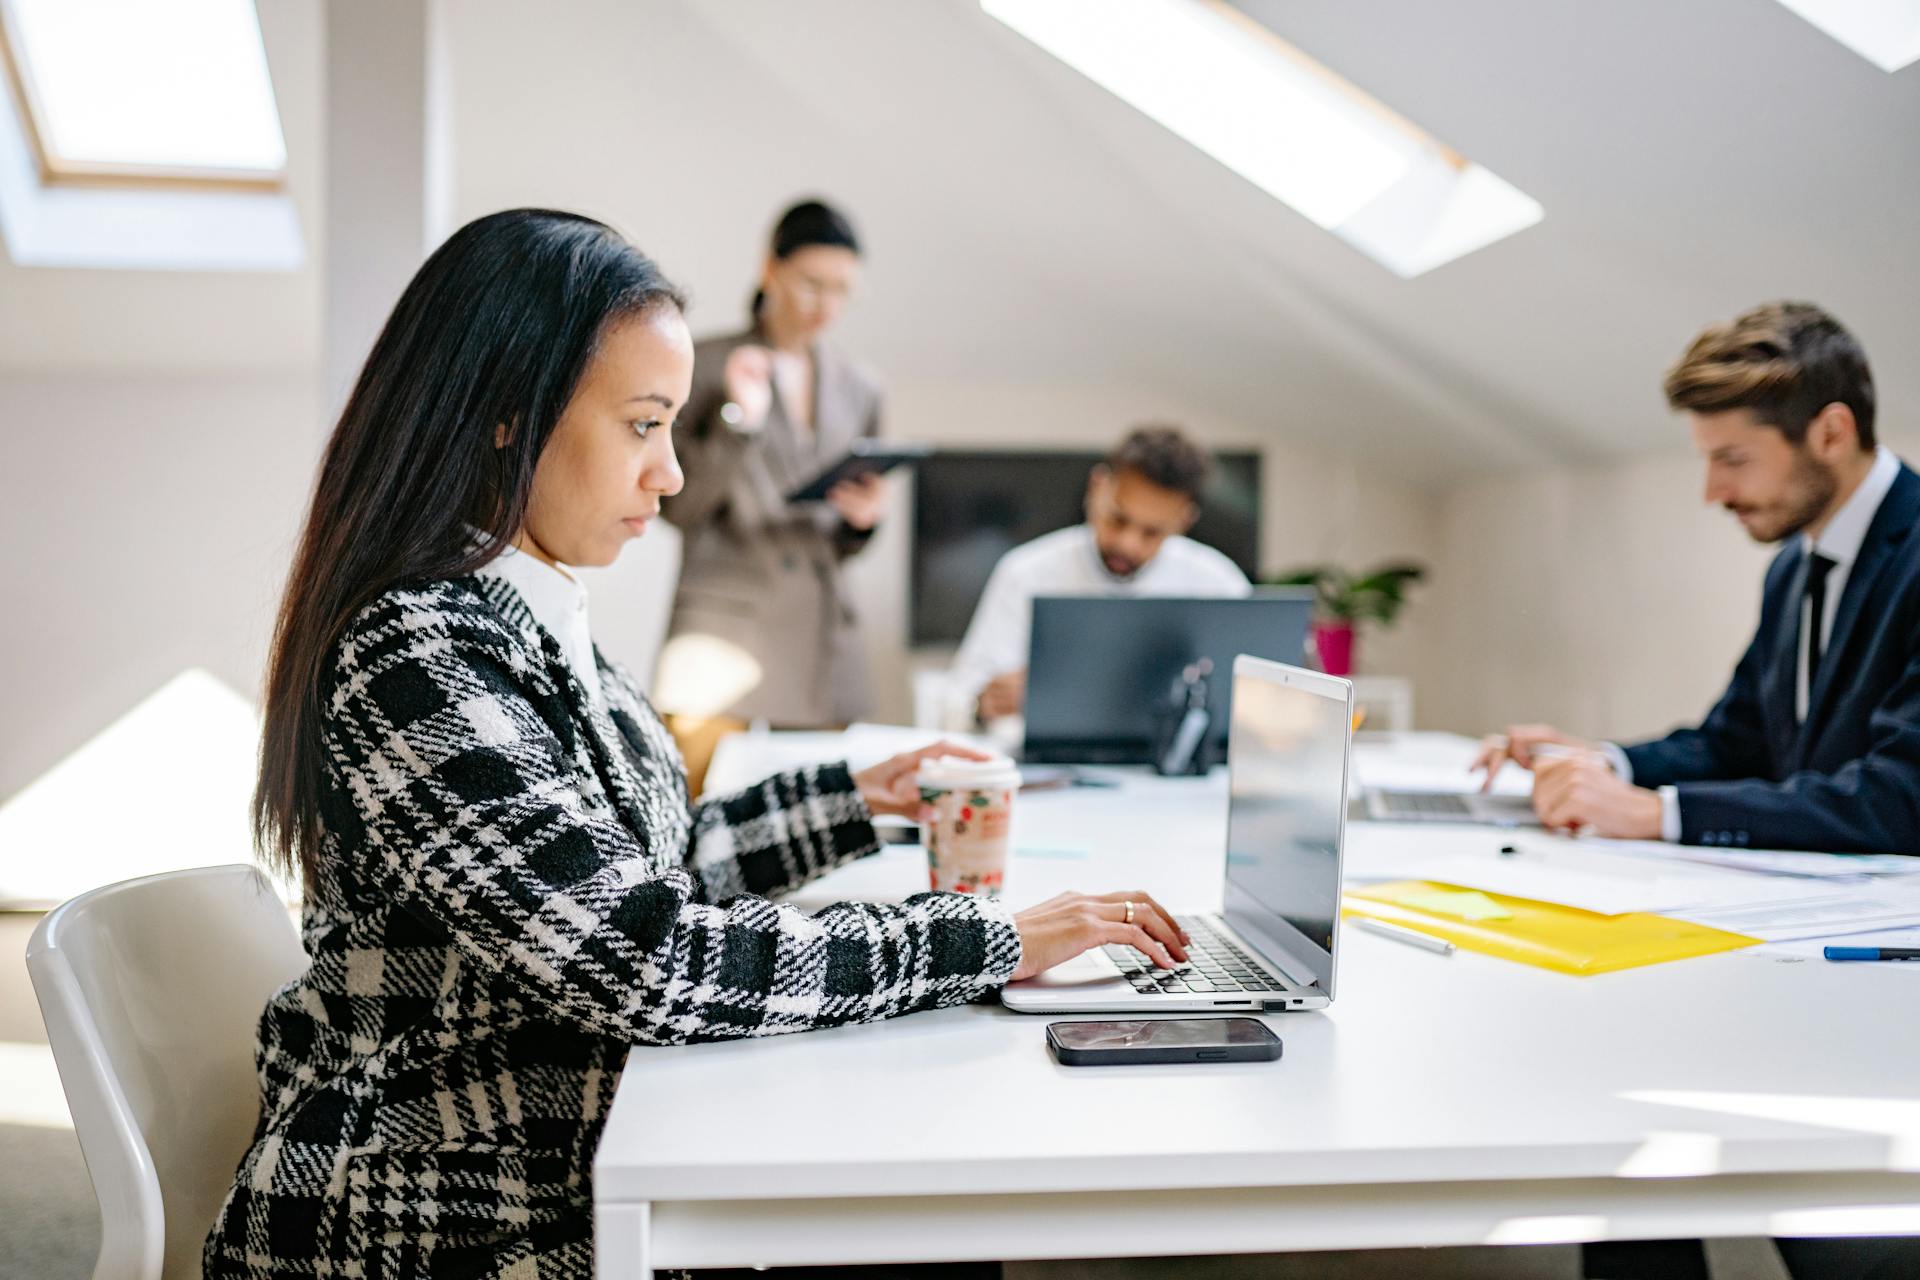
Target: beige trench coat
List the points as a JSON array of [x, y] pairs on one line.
[[757, 572]]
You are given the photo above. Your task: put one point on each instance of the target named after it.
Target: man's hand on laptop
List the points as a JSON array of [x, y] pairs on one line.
[[1582, 793], [1004, 695], [1061, 928], [1527, 745]]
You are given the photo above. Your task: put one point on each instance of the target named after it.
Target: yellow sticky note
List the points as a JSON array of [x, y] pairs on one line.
[[1461, 904]]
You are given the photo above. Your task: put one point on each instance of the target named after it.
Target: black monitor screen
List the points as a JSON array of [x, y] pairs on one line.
[[1102, 668], [971, 508]]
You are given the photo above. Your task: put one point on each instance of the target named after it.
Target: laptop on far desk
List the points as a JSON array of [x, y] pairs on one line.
[[1386, 804], [1272, 945], [1100, 669]]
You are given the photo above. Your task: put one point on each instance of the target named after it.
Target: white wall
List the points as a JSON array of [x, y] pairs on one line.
[[1610, 601], [148, 522]]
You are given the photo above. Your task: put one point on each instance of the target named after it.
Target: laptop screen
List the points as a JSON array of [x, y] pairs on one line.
[[1287, 761]]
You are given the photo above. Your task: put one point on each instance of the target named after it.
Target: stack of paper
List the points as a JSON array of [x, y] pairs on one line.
[[1818, 915], [1778, 862], [1759, 894]]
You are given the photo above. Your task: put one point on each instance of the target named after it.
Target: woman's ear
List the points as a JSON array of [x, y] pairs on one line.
[[501, 435]]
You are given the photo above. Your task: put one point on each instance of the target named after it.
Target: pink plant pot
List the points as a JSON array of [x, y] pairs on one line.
[[1333, 641]]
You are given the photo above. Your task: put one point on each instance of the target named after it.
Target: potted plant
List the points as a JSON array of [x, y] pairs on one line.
[[1343, 601]]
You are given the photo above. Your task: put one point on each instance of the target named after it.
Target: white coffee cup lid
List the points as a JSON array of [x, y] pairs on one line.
[[956, 771]]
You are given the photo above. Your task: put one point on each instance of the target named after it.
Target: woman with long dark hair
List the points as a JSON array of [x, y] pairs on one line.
[[505, 885], [762, 595]]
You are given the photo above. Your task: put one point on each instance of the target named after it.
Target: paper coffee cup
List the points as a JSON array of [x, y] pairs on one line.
[[970, 831]]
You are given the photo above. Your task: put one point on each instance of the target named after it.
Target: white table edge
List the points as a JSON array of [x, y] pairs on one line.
[[1828, 1153], [633, 1238]]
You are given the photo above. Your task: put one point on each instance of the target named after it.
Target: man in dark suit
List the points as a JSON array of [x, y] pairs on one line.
[[1816, 743]]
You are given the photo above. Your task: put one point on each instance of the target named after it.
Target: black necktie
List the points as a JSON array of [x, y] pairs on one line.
[[1818, 567]]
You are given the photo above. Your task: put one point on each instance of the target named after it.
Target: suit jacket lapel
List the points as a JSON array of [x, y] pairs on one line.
[[1891, 524], [834, 426], [786, 453], [617, 771]]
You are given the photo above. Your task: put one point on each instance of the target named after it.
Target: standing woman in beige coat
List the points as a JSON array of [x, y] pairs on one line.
[[762, 627]]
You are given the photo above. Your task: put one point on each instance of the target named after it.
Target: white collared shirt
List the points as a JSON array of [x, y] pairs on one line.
[[1067, 562], [558, 602], [1839, 542]]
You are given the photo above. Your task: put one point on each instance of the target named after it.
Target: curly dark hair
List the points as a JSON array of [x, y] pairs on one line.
[[1163, 455]]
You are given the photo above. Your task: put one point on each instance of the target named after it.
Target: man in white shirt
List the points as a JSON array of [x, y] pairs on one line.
[[1140, 503], [1816, 743]]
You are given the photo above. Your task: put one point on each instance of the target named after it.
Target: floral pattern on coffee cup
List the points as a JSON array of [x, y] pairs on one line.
[[967, 838]]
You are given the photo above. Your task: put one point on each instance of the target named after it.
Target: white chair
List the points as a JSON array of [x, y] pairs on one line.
[[151, 990]]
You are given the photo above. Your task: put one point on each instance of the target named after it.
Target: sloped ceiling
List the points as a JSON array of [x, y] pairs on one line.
[[1025, 225], [1025, 228]]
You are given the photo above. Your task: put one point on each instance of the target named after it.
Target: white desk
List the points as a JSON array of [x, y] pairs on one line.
[[1441, 1100]]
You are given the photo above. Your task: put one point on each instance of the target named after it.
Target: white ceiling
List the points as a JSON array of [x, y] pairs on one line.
[[1026, 228]]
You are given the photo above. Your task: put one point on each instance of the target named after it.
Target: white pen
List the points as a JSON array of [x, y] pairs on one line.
[[1399, 933]]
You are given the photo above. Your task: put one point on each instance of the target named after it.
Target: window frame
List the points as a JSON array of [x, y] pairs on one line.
[[1404, 199], [58, 172], [1259, 33]]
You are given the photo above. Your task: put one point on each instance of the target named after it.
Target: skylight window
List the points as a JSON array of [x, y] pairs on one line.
[[1884, 32], [132, 90], [1283, 122]]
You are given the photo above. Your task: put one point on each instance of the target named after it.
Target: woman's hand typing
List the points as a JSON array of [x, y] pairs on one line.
[[1061, 928]]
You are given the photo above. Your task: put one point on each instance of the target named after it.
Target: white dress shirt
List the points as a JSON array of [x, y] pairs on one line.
[[1839, 542], [1067, 562], [558, 602]]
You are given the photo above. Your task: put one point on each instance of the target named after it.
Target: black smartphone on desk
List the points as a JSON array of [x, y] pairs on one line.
[[1152, 1040]]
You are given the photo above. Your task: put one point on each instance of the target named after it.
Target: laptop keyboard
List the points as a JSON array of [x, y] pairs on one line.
[[1213, 964], [1422, 804]]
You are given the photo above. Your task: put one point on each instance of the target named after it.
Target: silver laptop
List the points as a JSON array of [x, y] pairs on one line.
[[1388, 805], [1271, 947]]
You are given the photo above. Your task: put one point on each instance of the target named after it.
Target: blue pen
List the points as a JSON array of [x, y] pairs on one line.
[[1872, 953]]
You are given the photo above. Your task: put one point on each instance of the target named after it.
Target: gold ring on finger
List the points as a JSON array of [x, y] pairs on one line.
[[1129, 913]]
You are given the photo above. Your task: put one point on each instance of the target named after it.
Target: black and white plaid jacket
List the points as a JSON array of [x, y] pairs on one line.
[[513, 891]]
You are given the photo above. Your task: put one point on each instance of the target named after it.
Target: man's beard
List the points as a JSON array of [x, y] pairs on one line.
[[1810, 488], [1118, 567]]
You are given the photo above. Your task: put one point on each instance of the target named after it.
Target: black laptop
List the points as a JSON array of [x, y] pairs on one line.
[[1101, 668]]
